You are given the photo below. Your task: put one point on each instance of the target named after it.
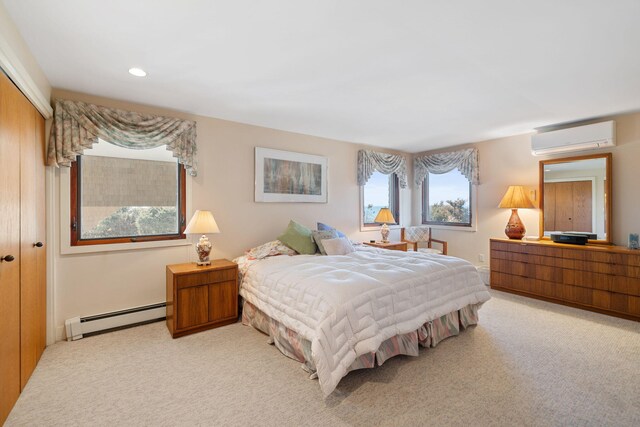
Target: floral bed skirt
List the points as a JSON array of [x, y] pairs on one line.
[[292, 345]]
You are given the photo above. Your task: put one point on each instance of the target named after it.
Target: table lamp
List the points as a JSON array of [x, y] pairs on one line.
[[202, 223], [384, 217], [515, 198]]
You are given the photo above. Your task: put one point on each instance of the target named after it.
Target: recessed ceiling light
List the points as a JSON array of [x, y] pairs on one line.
[[138, 72]]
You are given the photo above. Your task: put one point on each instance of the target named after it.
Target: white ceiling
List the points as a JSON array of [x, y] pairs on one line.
[[411, 75]]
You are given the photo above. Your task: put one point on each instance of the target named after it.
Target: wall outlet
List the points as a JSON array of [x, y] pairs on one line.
[[481, 257]]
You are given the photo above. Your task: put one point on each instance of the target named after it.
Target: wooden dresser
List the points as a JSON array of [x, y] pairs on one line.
[[600, 278]]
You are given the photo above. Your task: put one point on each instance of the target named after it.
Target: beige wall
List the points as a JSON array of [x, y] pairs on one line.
[[508, 161], [98, 282], [88, 284]]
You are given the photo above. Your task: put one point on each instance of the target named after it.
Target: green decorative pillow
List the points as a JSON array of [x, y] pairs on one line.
[[299, 238], [319, 236]]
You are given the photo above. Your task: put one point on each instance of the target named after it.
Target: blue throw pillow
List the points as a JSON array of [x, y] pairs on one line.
[[325, 227]]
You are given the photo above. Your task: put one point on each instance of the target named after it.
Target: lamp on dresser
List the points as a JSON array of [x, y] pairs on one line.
[[515, 198], [384, 217], [202, 223]]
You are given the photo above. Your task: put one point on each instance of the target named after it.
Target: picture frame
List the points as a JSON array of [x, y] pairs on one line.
[[290, 177]]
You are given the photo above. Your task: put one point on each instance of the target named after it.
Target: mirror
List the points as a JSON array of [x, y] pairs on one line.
[[575, 196]]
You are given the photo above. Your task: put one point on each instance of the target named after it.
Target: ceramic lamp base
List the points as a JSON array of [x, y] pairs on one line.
[[384, 232], [203, 248], [515, 228]]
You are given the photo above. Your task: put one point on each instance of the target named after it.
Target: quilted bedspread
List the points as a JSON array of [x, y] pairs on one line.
[[348, 305]]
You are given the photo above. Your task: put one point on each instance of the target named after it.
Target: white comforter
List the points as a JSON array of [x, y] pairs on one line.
[[348, 305]]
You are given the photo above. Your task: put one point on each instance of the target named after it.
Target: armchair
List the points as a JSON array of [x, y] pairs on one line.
[[417, 234]]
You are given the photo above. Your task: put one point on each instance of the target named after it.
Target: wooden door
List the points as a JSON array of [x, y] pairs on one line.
[[41, 232], [549, 207], [10, 101], [564, 206], [582, 206], [32, 283], [568, 206]]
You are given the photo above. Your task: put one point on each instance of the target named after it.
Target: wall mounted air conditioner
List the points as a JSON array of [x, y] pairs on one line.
[[588, 137]]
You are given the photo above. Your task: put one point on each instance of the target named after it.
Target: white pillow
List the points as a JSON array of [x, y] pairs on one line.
[[339, 246]]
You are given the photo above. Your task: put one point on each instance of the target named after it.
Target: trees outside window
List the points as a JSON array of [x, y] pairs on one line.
[[121, 195], [446, 199]]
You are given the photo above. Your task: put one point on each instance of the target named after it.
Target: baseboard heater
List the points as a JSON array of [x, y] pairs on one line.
[[79, 327]]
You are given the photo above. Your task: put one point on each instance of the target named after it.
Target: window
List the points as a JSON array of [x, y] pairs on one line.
[[120, 195], [446, 199], [380, 191]]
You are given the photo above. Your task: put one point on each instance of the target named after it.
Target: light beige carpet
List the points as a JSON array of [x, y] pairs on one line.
[[526, 363]]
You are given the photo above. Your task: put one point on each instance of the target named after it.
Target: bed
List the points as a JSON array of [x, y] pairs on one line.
[[335, 314]]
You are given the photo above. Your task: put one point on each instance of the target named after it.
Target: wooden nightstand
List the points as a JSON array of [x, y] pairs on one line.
[[394, 246], [200, 298]]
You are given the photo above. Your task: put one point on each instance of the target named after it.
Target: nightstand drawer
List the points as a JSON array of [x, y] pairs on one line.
[[207, 277]]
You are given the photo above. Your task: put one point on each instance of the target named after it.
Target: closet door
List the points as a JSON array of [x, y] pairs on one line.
[[9, 245], [549, 206], [564, 206], [32, 304], [582, 207], [41, 231]]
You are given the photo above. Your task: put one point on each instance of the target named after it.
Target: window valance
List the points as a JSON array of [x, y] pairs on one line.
[[371, 161], [465, 160], [78, 125]]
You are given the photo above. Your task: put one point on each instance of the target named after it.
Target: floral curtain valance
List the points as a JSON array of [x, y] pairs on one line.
[[465, 160], [371, 161], [78, 125]]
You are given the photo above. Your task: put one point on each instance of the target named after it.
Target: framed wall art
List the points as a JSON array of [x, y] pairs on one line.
[[286, 176]]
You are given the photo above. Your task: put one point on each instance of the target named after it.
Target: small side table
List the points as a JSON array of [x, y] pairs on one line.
[[393, 246], [201, 297]]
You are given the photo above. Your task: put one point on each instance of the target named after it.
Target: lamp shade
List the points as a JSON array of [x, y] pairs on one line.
[[516, 198], [202, 222], [385, 217]]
